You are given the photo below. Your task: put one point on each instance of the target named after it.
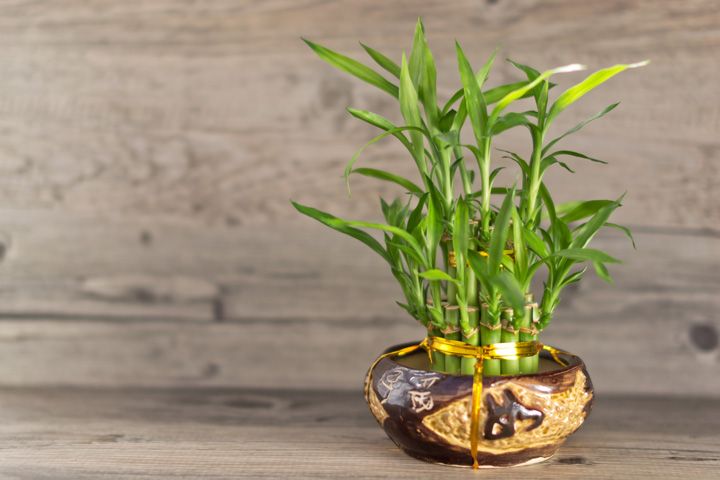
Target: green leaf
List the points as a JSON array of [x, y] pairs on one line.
[[573, 277], [410, 112], [574, 93], [510, 289], [585, 233], [574, 211], [438, 275], [474, 101], [579, 126], [509, 121], [491, 96], [417, 213], [356, 155], [535, 243], [602, 272], [546, 162], [434, 222], [389, 65], [479, 266], [353, 67], [408, 251], [519, 247], [623, 229], [500, 233], [390, 177], [454, 98], [585, 255], [429, 90], [496, 94], [411, 241], [417, 54], [520, 92], [343, 227], [576, 154]]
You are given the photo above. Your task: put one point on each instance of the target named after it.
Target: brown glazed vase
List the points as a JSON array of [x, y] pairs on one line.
[[523, 418]]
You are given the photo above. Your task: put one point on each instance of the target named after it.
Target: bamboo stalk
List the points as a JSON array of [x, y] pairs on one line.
[[452, 332], [489, 334], [438, 359], [535, 325], [526, 363], [509, 334], [471, 336], [528, 325]]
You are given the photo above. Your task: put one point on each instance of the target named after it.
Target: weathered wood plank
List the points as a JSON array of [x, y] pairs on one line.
[[147, 153], [217, 111], [120, 304], [231, 433]]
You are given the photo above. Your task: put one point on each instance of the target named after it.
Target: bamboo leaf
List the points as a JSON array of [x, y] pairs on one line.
[[576, 154], [520, 92], [416, 215], [500, 233], [389, 65], [585, 255], [535, 243], [390, 177], [623, 229], [408, 251], [602, 272], [573, 277], [508, 121], [586, 232], [580, 125], [474, 101], [438, 275], [479, 265], [548, 161], [380, 122], [343, 227], [428, 82], [417, 54], [411, 114], [574, 93], [356, 155], [407, 237], [510, 289], [574, 211], [353, 67], [519, 243]]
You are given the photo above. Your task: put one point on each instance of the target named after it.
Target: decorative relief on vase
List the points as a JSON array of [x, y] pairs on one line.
[[514, 416]]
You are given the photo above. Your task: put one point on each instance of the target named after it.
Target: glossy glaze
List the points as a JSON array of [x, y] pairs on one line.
[[524, 418]]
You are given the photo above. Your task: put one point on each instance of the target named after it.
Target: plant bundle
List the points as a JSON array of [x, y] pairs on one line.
[[464, 250]]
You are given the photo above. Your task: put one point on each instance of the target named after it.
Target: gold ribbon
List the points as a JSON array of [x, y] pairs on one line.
[[495, 351]]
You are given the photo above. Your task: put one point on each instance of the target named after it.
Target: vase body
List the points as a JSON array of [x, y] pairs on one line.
[[523, 418]]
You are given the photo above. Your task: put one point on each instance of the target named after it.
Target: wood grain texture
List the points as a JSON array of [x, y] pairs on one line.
[[249, 433], [75, 316], [148, 151]]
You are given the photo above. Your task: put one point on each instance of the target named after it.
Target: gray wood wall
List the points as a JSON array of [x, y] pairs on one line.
[[148, 151]]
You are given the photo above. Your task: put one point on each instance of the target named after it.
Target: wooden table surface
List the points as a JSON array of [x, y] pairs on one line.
[[77, 433]]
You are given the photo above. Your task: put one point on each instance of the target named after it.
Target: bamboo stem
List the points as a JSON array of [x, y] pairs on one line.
[[452, 363], [527, 326], [472, 336], [526, 363], [438, 359], [509, 334], [488, 336]]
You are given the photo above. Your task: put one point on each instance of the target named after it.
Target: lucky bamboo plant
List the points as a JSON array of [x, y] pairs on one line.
[[465, 263]]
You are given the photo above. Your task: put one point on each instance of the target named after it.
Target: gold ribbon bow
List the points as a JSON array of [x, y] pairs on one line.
[[495, 351]]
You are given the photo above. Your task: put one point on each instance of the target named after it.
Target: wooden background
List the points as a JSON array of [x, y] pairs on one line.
[[148, 152]]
